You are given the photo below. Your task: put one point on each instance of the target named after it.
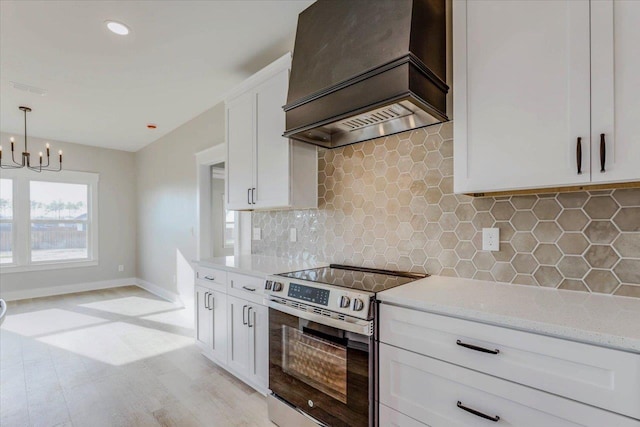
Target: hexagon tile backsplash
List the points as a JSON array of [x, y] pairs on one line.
[[389, 203]]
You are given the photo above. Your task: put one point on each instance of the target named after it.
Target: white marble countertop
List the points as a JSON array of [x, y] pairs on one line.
[[258, 265], [603, 320]]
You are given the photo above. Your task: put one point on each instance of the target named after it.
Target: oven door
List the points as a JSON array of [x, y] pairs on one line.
[[322, 370]]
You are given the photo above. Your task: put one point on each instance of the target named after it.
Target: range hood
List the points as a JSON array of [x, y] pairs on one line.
[[363, 69]]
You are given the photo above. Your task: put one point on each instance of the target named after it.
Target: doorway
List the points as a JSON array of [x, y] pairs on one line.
[[223, 221]]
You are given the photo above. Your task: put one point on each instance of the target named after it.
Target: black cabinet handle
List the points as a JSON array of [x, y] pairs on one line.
[[213, 300], [206, 300], [249, 316], [476, 348], [603, 153], [579, 155], [211, 278], [253, 196], [248, 196], [246, 288], [495, 419], [244, 315]]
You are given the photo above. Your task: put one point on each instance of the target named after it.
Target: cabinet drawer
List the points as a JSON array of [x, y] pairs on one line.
[[602, 377], [393, 418], [211, 278], [248, 287], [437, 392]]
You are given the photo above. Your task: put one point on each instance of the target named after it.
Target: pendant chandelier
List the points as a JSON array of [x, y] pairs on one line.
[[26, 155]]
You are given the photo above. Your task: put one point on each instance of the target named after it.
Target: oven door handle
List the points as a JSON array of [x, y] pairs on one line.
[[357, 326]]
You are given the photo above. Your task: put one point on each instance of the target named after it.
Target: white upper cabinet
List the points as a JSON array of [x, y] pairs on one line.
[[264, 169], [615, 90], [534, 89], [240, 153]]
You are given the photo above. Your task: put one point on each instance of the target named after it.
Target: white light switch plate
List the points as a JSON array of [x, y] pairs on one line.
[[293, 235], [257, 233], [490, 239]]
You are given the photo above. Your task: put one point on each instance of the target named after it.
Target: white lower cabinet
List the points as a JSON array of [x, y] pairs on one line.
[[444, 371], [232, 331], [211, 322], [438, 393], [248, 341]]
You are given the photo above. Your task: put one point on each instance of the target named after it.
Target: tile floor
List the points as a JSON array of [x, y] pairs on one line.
[[116, 357]]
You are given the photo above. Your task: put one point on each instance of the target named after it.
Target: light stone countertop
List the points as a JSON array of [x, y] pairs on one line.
[[603, 320], [258, 265]]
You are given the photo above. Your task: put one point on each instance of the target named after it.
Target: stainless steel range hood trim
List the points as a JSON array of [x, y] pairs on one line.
[[423, 115]]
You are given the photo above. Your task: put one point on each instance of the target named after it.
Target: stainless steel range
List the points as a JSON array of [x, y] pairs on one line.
[[322, 344]]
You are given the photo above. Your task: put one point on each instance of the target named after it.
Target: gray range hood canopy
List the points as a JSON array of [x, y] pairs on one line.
[[363, 69]]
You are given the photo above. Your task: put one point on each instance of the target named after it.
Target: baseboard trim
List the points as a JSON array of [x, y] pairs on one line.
[[67, 289], [159, 291]]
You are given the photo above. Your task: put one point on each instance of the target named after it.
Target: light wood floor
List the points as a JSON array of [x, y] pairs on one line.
[[118, 357]]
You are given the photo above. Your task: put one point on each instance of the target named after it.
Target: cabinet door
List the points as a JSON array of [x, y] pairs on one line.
[[219, 326], [272, 156], [522, 94], [203, 317], [238, 334], [240, 142], [615, 74], [259, 345]]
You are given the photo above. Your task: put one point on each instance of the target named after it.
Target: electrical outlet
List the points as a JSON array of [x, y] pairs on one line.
[[491, 239], [257, 233], [121, 268], [293, 235]]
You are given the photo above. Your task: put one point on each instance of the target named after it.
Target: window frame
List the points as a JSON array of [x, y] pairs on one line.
[[11, 221], [21, 244]]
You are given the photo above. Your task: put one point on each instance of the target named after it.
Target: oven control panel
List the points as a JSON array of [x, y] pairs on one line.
[[341, 300], [309, 294]]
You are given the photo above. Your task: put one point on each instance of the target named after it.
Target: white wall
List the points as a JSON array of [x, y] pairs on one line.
[[167, 202], [116, 212]]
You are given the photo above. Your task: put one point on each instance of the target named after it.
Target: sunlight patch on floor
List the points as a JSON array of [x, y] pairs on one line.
[[46, 321], [117, 343], [130, 306]]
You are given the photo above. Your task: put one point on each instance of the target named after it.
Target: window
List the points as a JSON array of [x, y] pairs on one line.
[[48, 220], [229, 224]]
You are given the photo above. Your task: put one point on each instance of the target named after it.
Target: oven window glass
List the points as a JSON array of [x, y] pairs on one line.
[[315, 361]]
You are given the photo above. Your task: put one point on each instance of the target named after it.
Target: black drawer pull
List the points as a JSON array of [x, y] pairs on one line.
[[211, 278], [579, 155], [603, 153], [478, 413], [249, 289], [476, 348]]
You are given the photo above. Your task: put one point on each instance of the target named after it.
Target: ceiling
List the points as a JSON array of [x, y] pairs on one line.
[[102, 89]]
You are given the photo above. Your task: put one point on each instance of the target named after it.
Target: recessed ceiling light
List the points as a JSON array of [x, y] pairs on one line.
[[118, 28]]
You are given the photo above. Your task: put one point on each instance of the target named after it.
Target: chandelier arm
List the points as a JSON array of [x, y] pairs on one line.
[[53, 170], [14, 160], [10, 166]]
